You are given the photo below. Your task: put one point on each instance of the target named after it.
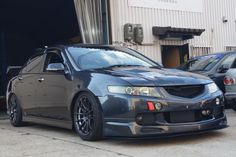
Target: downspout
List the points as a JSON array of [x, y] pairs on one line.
[[105, 21], [109, 21]]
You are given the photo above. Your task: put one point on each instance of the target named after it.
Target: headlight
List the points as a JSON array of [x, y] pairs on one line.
[[142, 91], [212, 88]]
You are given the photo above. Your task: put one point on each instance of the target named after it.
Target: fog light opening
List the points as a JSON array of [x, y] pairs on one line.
[[206, 112], [217, 101], [139, 118], [158, 106]]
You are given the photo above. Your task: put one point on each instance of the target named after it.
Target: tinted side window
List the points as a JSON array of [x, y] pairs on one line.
[[233, 66], [34, 65], [52, 58], [24, 70], [229, 60]]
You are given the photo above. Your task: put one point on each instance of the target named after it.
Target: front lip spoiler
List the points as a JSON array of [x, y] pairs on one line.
[[134, 130], [165, 136]]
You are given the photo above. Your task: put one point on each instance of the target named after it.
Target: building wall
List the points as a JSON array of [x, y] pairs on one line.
[[217, 37]]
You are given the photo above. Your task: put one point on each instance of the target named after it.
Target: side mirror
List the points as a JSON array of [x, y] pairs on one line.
[[224, 68], [55, 67]]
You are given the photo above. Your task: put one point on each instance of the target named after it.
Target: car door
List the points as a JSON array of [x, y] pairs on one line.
[[26, 86], [219, 75], [53, 90]]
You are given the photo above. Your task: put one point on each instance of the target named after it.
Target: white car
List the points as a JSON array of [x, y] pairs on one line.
[[230, 88]]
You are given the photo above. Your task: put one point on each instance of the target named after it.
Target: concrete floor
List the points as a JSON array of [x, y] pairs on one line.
[[43, 141]]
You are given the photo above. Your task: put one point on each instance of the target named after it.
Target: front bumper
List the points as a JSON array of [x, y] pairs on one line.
[[121, 112], [230, 99], [230, 96]]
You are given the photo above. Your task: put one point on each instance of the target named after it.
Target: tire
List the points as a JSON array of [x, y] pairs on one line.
[[87, 118], [15, 112], [233, 106]]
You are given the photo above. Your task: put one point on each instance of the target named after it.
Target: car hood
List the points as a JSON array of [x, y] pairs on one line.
[[199, 72], [140, 76]]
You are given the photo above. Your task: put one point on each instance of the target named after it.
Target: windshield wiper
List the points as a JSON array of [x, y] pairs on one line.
[[196, 70], [156, 67], [121, 65]]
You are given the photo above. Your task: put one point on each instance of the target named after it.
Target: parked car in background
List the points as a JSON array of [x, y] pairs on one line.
[[112, 91], [12, 71], [230, 87], [2, 103], [214, 66]]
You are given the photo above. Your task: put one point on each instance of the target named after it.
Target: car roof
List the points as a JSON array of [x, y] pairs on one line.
[[89, 46], [216, 54], [40, 51]]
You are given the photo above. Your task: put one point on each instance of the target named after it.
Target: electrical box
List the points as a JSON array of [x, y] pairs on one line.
[[138, 34], [128, 32]]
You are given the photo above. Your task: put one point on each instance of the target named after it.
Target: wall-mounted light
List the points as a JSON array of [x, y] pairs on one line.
[[224, 19], [133, 32]]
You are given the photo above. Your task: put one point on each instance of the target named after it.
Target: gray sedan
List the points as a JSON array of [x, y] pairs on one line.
[[105, 91]]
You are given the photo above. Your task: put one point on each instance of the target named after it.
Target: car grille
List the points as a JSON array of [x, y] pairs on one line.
[[185, 91]]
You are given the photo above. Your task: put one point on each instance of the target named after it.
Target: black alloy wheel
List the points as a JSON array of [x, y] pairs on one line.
[[15, 112], [87, 119]]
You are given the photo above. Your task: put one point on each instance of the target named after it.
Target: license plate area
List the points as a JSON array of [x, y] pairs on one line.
[[182, 117]]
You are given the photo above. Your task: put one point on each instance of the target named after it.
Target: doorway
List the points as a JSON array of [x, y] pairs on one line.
[[174, 56], [26, 25]]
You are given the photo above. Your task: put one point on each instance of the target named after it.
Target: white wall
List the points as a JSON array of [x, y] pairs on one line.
[[218, 35]]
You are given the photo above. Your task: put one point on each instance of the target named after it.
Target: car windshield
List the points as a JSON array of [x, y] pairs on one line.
[[204, 63], [98, 58]]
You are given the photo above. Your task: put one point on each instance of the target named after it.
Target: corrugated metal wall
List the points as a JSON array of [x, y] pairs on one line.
[[217, 37]]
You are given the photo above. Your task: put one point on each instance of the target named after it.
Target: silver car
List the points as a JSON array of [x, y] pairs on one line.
[[230, 87]]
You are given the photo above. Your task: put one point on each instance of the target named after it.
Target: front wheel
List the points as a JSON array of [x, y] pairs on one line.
[[15, 112], [87, 118]]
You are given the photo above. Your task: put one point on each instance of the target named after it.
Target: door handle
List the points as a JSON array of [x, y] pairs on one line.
[[20, 78], [41, 79]]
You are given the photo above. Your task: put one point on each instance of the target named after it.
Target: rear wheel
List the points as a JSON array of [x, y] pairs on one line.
[[87, 117], [15, 112]]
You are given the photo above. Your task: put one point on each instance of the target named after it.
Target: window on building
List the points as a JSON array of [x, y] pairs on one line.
[[230, 48], [199, 51]]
